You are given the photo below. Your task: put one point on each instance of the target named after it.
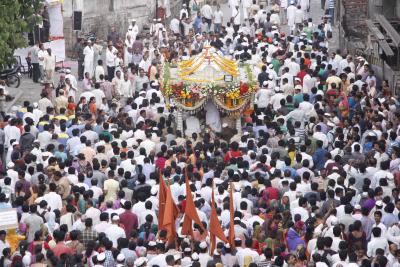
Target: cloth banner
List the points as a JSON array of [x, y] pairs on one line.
[[8, 219], [56, 20]]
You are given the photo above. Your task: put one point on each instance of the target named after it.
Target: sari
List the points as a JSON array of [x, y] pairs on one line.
[[343, 106]]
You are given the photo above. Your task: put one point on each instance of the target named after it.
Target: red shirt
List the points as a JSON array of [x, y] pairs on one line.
[[272, 193], [160, 163], [232, 154], [301, 75], [130, 221], [60, 249]]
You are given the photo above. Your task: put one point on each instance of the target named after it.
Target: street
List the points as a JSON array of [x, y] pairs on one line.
[[29, 91]]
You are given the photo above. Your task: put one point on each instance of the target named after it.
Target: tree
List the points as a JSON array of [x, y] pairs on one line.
[[17, 17]]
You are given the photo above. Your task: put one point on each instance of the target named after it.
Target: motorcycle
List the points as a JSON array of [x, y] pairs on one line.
[[12, 76]]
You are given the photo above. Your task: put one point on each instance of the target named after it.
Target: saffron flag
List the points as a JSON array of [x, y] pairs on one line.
[[215, 226], [190, 212], [171, 212], [162, 196], [231, 235]]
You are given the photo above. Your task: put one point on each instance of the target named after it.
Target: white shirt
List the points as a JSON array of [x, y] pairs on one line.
[[53, 200], [174, 25], [139, 208], [145, 64], [114, 232], [99, 95], [158, 260], [110, 57], [101, 227], [276, 100], [206, 11], [98, 71], [43, 104], [11, 132], [218, 16], [4, 245], [97, 191], [322, 137], [263, 97], [126, 88], [192, 125], [236, 16], [42, 54], [374, 244], [308, 83], [303, 213], [142, 217], [44, 139], [241, 254], [148, 145]]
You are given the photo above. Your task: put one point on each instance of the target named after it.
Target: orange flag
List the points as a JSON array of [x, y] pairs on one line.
[[190, 212], [162, 196], [170, 215], [215, 226], [231, 235]]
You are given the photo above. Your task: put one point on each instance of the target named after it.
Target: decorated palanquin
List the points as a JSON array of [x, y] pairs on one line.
[[209, 76]]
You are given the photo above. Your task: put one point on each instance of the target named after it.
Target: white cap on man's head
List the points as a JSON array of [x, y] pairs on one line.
[[101, 256], [120, 257], [195, 256], [154, 191], [203, 245], [140, 261]]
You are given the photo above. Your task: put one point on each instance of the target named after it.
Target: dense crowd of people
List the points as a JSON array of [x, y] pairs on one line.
[[312, 178]]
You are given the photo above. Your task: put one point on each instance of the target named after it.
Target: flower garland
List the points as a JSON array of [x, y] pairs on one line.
[[186, 63], [188, 79], [166, 78], [250, 78], [193, 69], [232, 70], [227, 60]]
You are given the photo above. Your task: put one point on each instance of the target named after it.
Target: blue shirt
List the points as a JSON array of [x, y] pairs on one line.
[[319, 158], [389, 219]]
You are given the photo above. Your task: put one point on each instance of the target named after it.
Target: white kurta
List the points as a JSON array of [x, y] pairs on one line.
[[291, 14], [213, 118], [192, 126], [128, 44], [305, 4], [232, 5], [89, 57]]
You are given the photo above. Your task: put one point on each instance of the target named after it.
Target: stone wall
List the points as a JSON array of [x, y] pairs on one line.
[[100, 15]]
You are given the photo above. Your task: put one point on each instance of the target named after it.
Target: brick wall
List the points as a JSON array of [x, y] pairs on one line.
[[353, 18]]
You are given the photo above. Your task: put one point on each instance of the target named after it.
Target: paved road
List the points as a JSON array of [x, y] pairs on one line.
[[31, 91]]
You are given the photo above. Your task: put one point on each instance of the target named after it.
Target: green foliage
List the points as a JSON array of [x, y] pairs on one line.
[[17, 17]]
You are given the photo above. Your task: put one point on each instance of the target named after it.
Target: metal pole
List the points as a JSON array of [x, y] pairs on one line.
[[156, 9]]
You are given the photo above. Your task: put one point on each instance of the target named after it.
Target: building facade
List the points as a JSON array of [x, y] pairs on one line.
[[99, 15], [371, 28]]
